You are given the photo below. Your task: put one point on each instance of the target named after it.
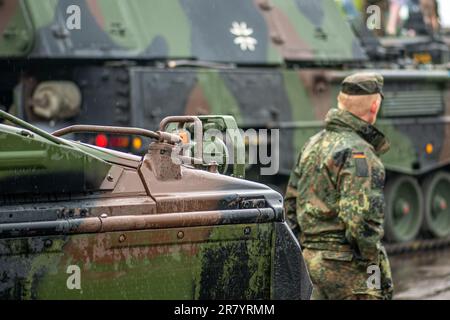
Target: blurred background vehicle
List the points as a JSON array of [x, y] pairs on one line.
[[271, 64]]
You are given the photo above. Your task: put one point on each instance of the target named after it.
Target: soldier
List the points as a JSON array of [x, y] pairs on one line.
[[334, 200]]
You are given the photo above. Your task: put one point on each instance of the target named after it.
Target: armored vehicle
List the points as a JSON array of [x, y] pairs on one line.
[[271, 64], [83, 222], [407, 33], [417, 48]]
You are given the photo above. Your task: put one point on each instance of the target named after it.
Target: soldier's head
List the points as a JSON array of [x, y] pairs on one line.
[[362, 95]]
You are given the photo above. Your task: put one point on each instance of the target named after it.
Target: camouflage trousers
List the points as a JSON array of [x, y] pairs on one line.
[[337, 276]]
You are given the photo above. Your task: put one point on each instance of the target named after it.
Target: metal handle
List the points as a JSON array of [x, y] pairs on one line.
[[26, 125], [198, 130], [162, 136]]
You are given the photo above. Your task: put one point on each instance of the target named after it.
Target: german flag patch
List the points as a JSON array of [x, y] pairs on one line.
[[362, 169]]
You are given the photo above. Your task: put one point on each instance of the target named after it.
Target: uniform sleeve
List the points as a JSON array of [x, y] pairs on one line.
[[290, 199], [361, 205]]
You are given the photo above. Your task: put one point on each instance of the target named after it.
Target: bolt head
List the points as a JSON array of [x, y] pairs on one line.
[[48, 243]]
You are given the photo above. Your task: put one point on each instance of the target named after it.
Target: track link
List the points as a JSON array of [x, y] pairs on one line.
[[417, 246]]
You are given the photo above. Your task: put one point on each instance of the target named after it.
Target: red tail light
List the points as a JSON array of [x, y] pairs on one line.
[[101, 140], [119, 142]]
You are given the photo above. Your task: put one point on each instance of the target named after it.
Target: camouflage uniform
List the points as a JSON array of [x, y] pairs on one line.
[[334, 203]]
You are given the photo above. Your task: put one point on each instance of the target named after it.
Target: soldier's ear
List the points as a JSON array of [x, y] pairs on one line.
[[375, 107], [373, 112]]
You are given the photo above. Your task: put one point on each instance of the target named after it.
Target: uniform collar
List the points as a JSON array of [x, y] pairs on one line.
[[344, 120]]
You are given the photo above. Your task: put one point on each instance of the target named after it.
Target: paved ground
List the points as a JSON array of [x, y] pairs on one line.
[[422, 275]]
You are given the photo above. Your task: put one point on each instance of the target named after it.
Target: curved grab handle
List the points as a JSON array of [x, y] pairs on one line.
[[198, 130], [164, 136]]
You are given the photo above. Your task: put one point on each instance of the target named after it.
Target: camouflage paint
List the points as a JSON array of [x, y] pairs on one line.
[[27, 159], [146, 228], [15, 29], [208, 263], [297, 101], [304, 48], [133, 29], [217, 98]]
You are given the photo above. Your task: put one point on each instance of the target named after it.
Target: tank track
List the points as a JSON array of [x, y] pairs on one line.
[[417, 246]]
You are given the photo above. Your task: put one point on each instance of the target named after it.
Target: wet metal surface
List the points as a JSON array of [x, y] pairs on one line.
[[422, 275]]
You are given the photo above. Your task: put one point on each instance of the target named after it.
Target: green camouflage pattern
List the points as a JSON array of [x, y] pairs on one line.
[[80, 222], [337, 192], [149, 264], [297, 102], [270, 64], [363, 84], [275, 30], [294, 100], [337, 276]]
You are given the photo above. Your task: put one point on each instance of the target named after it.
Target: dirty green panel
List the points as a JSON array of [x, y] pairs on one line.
[[17, 37], [320, 26], [211, 262], [245, 262], [47, 167], [144, 21], [128, 276]]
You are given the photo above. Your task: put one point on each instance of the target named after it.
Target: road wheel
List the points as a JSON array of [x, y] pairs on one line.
[[403, 214], [436, 189]]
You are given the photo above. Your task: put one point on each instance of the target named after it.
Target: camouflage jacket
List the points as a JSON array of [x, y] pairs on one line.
[[335, 197]]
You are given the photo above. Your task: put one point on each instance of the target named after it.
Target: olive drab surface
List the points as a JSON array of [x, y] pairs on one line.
[[268, 63], [82, 222]]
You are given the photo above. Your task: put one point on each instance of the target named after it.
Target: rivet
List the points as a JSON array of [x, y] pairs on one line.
[[122, 238], [261, 204], [265, 5], [26, 134], [247, 231], [277, 39], [180, 235], [110, 178], [48, 243]]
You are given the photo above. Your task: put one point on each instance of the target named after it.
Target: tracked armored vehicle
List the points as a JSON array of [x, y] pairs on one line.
[[269, 63], [82, 222], [416, 111]]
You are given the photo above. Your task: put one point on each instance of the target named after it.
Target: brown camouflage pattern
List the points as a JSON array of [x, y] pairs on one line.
[[136, 227]]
